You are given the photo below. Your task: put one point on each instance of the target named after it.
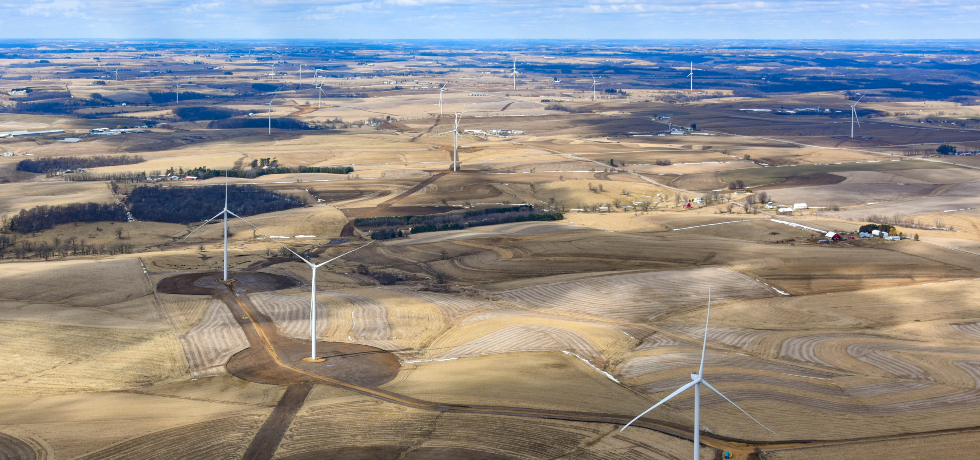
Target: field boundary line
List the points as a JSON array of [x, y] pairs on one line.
[[156, 298]]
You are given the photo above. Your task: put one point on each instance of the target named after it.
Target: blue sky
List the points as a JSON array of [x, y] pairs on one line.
[[491, 19]]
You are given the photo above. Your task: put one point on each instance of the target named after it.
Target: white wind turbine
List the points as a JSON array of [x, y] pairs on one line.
[[455, 132], [514, 73], [854, 115], [318, 83], [691, 76], [270, 111], [594, 79], [441, 90], [696, 381], [177, 81], [224, 212], [313, 331], [301, 75], [273, 74]]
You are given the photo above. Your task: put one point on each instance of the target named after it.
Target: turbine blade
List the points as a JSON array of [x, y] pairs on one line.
[[271, 238], [704, 345], [736, 405], [675, 393], [205, 223], [342, 255]]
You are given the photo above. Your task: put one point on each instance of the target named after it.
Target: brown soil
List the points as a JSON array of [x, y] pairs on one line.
[[13, 448], [806, 180], [395, 452], [267, 440], [346, 362], [209, 282]]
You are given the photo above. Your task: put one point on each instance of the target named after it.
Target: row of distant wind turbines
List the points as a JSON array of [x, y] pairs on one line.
[[318, 84], [697, 379]]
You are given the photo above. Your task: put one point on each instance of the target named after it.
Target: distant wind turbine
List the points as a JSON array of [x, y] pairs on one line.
[[301, 75], [177, 81], [514, 73], [854, 117], [696, 381], [318, 84], [593, 85], [273, 74], [455, 133], [441, 90], [270, 111], [691, 76]]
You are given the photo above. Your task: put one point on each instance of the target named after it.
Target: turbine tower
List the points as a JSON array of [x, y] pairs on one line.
[[301, 75], [513, 73], [691, 76], [177, 81], [593, 85], [224, 212], [441, 90], [270, 111], [696, 381], [854, 115], [318, 83]]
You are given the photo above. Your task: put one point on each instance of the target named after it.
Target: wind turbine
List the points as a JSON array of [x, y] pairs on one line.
[[691, 76], [313, 266], [301, 75], [177, 81], [514, 72], [273, 74], [455, 132], [593, 84], [854, 115], [224, 212], [116, 71], [270, 111], [441, 90], [696, 381], [318, 84]]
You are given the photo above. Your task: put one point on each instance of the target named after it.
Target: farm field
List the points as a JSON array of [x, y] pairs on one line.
[[524, 302]]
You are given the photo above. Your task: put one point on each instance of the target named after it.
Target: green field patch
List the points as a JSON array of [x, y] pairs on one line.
[[755, 177]]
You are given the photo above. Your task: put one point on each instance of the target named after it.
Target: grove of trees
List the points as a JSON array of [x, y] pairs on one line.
[[44, 165], [44, 217], [183, 205]]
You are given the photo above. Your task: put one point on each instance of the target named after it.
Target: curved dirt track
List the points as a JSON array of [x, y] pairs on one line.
[[13, 448]]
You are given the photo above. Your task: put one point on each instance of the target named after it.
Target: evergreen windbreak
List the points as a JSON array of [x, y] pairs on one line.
[[184, 205], [44, 217]]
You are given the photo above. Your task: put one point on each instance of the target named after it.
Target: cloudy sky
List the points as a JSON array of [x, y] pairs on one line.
[[491, 19]]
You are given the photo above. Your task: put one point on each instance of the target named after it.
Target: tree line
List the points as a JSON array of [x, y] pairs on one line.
[[207, 173], [183, 205], [259, 122], [44, 165], [388, 227], [434, 218], [44, 217], [206, 113]]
